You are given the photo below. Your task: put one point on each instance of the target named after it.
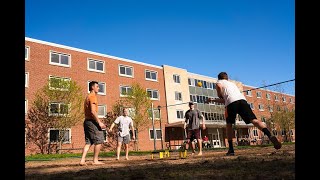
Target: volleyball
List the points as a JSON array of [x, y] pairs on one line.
[[199, 84]]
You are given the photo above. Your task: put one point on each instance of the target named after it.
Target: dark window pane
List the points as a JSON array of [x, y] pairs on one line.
[[158, 134], [100, 66], [148, 75], [101, 88], [64, 59], [92, 65], [54, 58], [54, 135], [128, 71], [154, 76], [155, 94], [122, 70]]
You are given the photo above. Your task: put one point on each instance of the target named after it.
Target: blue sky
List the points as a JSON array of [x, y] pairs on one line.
[[252, 40]]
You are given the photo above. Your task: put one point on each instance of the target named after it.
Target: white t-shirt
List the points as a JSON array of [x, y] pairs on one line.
[[124, 122], [230, 92]]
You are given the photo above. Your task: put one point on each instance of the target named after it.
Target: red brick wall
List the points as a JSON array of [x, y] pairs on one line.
[[39, 70]]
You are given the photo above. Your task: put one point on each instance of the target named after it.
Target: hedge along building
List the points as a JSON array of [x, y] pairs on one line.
[[46, 60]]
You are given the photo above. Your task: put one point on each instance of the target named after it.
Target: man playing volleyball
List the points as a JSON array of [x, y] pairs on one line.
[[236, 103]]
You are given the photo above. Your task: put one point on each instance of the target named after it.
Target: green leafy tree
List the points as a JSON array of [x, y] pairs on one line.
[[57, 105]]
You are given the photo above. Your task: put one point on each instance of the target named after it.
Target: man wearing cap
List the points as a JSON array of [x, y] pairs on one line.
[[192, 122]]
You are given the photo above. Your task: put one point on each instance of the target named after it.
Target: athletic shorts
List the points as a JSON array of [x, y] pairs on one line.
[[125, 139], [242, 108], [93, 132], [193, 134]]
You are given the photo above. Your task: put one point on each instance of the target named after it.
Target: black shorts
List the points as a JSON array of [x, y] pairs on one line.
[[93, 132], [242, 108]]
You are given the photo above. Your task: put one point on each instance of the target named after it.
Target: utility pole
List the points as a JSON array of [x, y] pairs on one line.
[[154, 131], [160, 126]]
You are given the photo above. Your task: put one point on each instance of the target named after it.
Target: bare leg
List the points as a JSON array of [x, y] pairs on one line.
[[259, 124], [127, 151], [84, 154], [118, 150], [200, 146], [96, 152], [193, 147]]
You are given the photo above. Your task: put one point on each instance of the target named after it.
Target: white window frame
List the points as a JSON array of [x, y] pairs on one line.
[[25, 106], [284, 99], [176, 78], [261, 107], [28, 53], [180, 110], [58, 77], [248, 93], [268, 96], [259, 94], [59, 64], [156, 129], [255, 131], [26, 76], [105, 110], [192, 82], [63, 142], [251, 105], [154, 113], [99, 83], [175, 95], [58, 114], [276, 98], [151, 71], [126, 66], [270, 108], [124, 86], [291, 100], [95, 61], [148, 89]]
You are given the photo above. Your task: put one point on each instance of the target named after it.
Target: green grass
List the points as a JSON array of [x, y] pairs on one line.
[[49, 157]]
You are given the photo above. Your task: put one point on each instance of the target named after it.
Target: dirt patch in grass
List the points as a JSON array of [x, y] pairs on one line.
[[252, 163]]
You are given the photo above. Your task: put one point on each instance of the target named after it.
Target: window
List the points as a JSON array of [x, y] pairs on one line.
[[268, 96], [193, 98], [255, 132], [156, 113], [278, 108], [25, 106], [176, 78], [178, 96], [102, 88], [290, 100], [291, 132], [261, 108], [56, 134], [180, 114], [283, 132], [158, 134], [270, 108], [26, 52], [251, 105], [248, 92], [59, 83], [153, 94], [259, 94], [125, 90], [60, 59], [191, 82], [102, 111], [151, 75], [59, 109], [95, 65], [276, 98], [274, 132], [125, 71], [283, 99], [26, 79], [263, 119]]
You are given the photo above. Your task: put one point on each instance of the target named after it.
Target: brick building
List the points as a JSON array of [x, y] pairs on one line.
[[169, 87]]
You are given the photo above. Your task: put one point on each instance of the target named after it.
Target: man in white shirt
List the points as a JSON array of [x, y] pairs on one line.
[[235, 103], [124, 123]]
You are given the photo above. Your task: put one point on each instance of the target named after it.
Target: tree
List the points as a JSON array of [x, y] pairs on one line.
[[282, 116], [138, 101], [57, 105]]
